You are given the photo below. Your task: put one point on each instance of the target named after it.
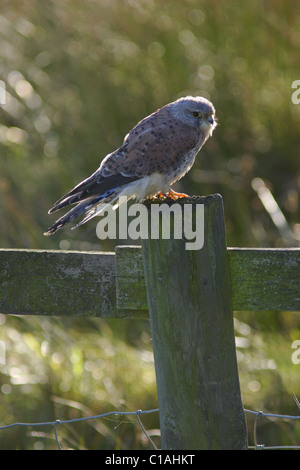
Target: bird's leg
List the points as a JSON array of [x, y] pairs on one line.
[[173, 195]]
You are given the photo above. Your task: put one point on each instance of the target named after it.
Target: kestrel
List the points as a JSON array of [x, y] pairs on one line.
[[155, 154]]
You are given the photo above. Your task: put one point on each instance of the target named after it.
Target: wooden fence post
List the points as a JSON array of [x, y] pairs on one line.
[[190, 307]]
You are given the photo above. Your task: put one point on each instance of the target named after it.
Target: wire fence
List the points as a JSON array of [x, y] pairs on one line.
[[258, 416], [55, 424]]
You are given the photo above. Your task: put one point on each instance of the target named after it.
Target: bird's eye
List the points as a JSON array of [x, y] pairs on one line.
[[197, 114]]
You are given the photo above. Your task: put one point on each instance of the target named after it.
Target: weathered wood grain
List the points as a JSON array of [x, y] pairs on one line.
[[104, 284], [189, 298], [265, 279], [36, 282], [130, 279], [261, 279]]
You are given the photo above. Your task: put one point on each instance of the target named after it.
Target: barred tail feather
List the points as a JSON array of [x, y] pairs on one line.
[[94, 206], [68, 217]]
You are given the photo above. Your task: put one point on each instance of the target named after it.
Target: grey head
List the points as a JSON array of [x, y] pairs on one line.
[[195, 111]]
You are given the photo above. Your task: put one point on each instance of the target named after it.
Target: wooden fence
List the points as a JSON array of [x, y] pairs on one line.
[[189, 297]]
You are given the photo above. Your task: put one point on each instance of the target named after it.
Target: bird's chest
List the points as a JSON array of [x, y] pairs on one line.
[[184, 163]]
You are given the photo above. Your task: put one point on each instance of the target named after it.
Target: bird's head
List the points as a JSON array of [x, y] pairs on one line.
[[197, 112]]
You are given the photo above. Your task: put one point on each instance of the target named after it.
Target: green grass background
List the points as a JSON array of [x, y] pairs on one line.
[[78, 76]]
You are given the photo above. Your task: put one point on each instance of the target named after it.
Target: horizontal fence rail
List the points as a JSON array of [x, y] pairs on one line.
[[112, 285]]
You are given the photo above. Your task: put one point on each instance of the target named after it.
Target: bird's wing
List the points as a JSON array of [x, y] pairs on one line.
[[95, 185], [154, 145]]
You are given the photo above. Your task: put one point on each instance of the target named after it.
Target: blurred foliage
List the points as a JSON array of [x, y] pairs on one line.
[[78, 76]]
